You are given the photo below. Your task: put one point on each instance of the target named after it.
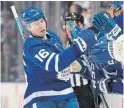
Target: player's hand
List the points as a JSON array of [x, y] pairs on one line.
[[99, 48], [105, 85], [98, 52], [107, 25]]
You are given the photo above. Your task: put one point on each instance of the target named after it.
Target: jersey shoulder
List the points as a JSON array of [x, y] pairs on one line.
[[31, 42]]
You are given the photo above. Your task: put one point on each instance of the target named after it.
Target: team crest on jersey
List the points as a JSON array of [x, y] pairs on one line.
[[64, 75]]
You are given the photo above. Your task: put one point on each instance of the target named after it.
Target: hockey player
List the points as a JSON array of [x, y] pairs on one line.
[[110, 66], [46, 64], [114, 9], [81, 85]]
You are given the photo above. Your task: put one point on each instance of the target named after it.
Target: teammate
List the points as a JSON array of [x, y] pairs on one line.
[[114, 9], [46, 64], [112, 68], [81, 85]]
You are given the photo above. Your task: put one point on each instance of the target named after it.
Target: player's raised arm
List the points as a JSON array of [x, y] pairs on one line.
[[42, 55]]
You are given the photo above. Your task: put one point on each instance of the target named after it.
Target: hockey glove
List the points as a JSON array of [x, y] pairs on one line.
[[107, 25], [86, 35], [105, 85]]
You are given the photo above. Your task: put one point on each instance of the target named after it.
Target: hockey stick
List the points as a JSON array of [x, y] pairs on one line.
[[18, 22], [92, 72], [19, 26], [104, 101]]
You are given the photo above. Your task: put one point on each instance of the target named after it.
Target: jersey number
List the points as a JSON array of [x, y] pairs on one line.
[[42, 54]]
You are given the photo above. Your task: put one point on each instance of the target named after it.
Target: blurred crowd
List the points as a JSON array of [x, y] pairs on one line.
[[9, 46], [11, 62]]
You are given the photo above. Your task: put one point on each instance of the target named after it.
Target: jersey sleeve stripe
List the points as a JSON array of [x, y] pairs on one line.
[[47, 93], [56, 63], [24, 63], [81, 47], [23, 53], [48, 61]]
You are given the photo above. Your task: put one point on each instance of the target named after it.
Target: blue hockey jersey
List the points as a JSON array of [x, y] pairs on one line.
[[46, 66], [108, 66], [119, 20]]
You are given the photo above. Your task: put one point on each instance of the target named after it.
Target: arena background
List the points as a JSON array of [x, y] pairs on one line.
[[12, 74]]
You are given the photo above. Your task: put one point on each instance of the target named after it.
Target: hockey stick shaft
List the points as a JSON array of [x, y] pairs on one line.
[[104, 101], [18, 22], [19, 26]]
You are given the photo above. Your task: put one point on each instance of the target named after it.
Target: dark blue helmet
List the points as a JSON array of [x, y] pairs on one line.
[[32, 14], [117, 5]]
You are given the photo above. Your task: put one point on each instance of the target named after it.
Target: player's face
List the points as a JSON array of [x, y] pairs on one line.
[[38, 28]]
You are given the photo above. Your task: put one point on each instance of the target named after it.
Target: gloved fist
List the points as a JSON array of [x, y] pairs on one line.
[[98, 52], [105, 85]]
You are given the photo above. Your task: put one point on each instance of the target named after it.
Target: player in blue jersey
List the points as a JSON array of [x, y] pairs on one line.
[[112, 68], [46, 64]]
